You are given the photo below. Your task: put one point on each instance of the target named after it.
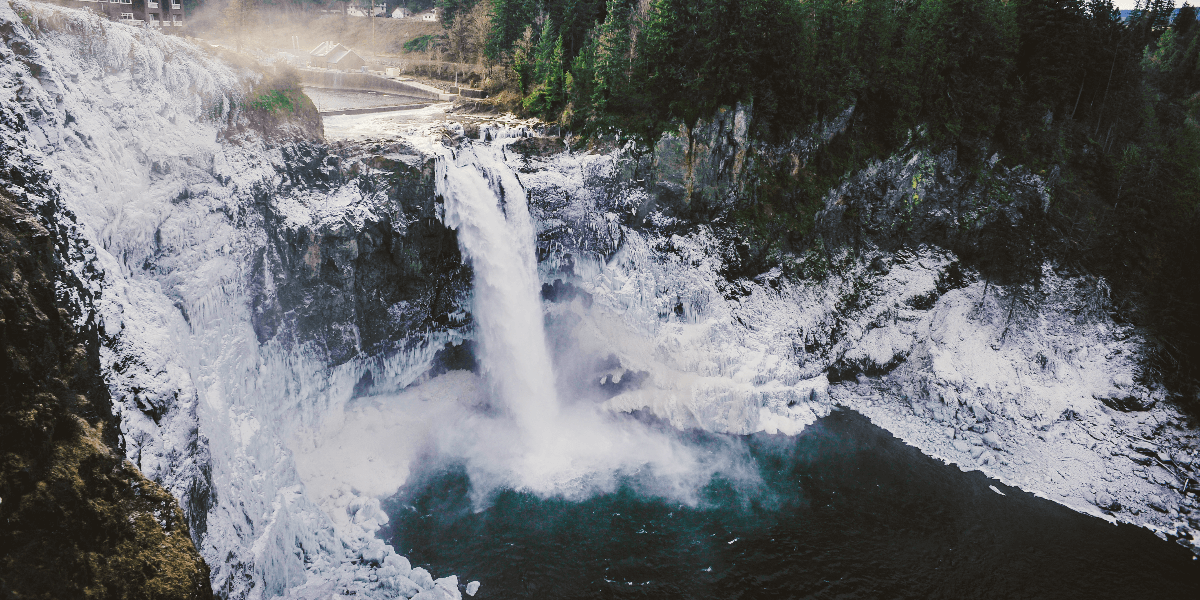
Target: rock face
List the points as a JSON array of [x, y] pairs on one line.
[[926, 304], [76, 519], [346, 279], [247, 281]]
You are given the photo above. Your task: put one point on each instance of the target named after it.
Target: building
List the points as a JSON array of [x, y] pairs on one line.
[[401, 13], [331, 55], [430, 15], [153, 13]]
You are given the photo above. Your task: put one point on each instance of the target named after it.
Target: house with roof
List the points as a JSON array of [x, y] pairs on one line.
[[401, 13], [332, 55]]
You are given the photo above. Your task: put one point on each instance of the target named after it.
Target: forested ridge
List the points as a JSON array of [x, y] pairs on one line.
[[1105, 108]]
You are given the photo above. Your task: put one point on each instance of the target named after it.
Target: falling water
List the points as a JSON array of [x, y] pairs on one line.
[[486, 203], [568, 449]]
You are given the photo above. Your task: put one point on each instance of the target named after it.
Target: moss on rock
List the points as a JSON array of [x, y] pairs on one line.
[[76, 520]]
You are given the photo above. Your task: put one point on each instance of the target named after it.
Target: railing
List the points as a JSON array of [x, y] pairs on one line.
[[151, 4]]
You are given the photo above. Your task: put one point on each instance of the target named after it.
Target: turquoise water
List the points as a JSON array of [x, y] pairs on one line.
[[844, 510]]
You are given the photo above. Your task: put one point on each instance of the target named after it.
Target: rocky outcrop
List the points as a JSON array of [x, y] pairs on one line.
[[375, 269], [76, 518]]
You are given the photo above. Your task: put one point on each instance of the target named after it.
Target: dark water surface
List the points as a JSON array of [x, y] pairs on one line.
[[845, 511]]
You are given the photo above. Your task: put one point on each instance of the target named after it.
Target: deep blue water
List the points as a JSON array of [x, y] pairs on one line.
[[845, 510]]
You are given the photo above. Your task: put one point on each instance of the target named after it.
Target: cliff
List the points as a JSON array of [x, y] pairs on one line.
[[76, 518]]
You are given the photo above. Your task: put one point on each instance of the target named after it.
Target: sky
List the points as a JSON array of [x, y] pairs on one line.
[[1130, 4]]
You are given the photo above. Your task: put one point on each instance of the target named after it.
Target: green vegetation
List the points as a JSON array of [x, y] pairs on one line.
[[418, 44], [273, 102]]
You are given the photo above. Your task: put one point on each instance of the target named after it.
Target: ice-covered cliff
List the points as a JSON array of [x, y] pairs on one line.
[[1023, 374], [225, 256]]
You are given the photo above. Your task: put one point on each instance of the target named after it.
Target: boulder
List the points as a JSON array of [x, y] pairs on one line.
[[405, 587], [992, 440], [450, 586], [1157, 503], [421, 577], [472, 588], [1105, 501], [374, 552], [400, 563]]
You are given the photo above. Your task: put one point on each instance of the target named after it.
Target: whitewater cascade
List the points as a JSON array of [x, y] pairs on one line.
[[486, 204]]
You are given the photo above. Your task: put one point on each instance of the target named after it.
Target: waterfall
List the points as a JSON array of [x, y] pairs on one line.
[[486, 204]]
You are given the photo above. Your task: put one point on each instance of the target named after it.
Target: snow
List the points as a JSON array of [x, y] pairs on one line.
[[128, 121]]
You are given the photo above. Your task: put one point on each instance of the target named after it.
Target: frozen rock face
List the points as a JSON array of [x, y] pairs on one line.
[[1023, 375], [235, 275], [356, 254], [77, 519]]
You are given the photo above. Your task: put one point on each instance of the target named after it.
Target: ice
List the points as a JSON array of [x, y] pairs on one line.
[[130, 124]]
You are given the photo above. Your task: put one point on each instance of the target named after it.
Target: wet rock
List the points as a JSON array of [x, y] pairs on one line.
[[538, 146]]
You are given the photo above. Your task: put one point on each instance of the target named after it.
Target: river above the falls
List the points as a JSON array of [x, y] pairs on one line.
[[844, 510]]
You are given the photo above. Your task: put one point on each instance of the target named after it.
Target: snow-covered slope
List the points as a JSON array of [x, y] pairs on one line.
[[130, 123]]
